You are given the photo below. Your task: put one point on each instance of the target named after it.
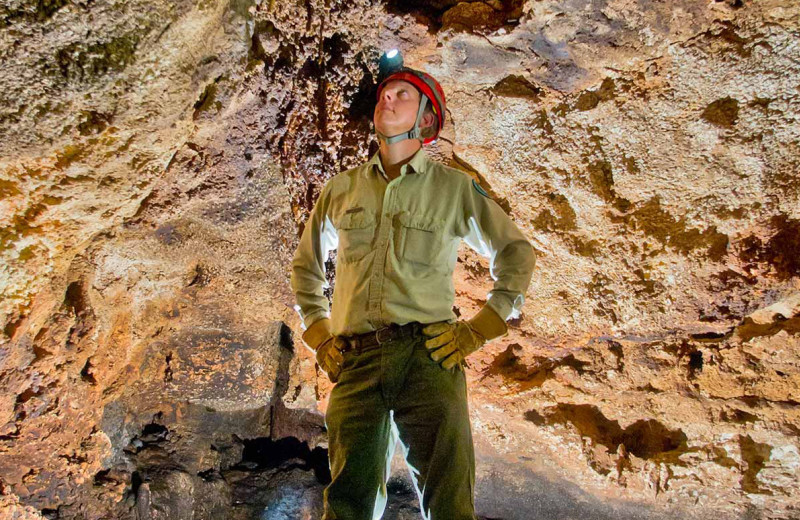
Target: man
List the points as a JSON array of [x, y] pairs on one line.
[[392, 343]]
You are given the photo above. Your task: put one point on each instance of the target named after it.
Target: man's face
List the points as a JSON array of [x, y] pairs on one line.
[[397, 108]]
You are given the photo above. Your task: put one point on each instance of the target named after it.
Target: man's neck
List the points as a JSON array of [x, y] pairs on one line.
[[393, 156]]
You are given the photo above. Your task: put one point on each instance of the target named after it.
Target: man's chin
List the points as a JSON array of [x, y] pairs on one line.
[[390, 130], [384, 122], [386, 130]]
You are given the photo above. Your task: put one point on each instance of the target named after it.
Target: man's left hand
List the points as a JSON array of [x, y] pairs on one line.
[[451, 343]]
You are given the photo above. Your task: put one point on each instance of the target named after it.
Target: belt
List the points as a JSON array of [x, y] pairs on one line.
[[375, 338]]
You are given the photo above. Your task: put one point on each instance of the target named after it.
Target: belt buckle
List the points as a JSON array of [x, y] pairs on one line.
[[378, 335]]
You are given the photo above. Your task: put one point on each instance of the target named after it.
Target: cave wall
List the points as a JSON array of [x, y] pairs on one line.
[[158, 160]]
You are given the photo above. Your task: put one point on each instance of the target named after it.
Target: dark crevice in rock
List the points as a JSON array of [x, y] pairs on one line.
[[286, 453], [749, 329], [210, 475], [87, 374], [424, 13], [688, 353], [40, 351], [508, 365], [475, 16], [589, 99], [736, 4], [695, 363], [519, 87], [12, 325], [360, 102], [738, 416], [77, 306], [602, 180], [649, 439], [558, 217], [84, 63], [646, 287], [755, 401], [168, 368], [535, 417], [94, 122], [153, 434], [721, 457], [754, 455], [106, 476], [646, 438], [722, 112], [207, 99], [480, 17], [711, 337], [76, 300], [649, 388], [656, 222], [725, 35], [781, 252]]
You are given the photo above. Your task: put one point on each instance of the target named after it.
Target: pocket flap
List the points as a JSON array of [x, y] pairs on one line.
[[416, 222], [356, 220]]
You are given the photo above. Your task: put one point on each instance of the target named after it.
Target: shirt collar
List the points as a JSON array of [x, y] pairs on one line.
[[417, 163]]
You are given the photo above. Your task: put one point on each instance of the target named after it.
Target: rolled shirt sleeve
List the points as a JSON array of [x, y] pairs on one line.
[[308, 279], [494, 235]]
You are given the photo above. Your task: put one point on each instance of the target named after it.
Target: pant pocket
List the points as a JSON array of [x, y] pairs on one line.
[[349, 359]]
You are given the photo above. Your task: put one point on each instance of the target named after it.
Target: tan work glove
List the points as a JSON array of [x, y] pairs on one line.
[[327, 347], [451, 343]]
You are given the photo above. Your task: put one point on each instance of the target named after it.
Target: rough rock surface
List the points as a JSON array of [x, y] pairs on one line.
[[158, 160]]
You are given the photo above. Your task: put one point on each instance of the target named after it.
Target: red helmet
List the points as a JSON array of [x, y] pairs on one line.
[[432, 92]]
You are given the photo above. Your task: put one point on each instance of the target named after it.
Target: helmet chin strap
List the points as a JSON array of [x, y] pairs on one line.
[[414, 133]]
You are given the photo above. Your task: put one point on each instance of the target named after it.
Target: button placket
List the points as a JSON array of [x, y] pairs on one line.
[[376, 282]]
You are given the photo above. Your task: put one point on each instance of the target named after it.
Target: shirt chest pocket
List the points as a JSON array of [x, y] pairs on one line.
[[420, 240], [356, 231]]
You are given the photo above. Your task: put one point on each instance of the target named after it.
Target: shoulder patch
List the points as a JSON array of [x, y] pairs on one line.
[[479, 189]]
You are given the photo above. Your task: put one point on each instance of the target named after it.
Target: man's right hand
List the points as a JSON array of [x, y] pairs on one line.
[[327, 347], [330, 358]]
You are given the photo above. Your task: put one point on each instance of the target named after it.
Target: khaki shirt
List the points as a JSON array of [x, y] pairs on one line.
[[398, 245]]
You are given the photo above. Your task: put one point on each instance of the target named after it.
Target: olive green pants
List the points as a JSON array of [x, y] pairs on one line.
[[393, 390]]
